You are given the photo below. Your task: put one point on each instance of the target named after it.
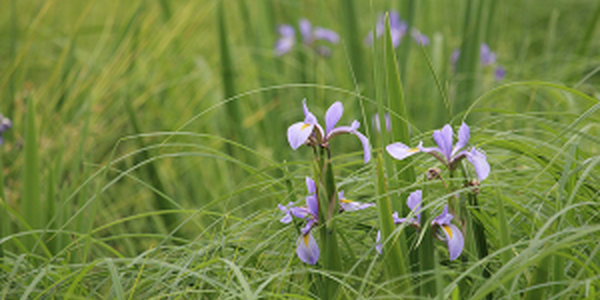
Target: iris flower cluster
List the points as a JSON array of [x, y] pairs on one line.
[[398, 29], [307, 248], [442, 226], [310, 35], [487, 58], [5, 124]]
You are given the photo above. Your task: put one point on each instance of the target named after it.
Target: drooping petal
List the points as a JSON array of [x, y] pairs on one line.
[[400, 151], [310, 185], [454, 239], [443, 139], [312, 202], [414, 202], [307, 248], [285, 209], [443, 219], [379, 246], [365, 144], [479, 161], [298, 133], [333, 115], [305, 30], [326, 35], [463, 138]]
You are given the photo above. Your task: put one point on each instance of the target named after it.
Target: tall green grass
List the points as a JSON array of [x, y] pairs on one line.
[[156, 153]]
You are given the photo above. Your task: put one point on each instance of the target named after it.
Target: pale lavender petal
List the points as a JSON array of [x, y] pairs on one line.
[[349, 205], [395, 20], [400, 151], [327, 35], [479, 161], [379, 246], [420, 38], [365, 144], [487, 56], [499, 73], [305, 30], [414, 202], [443, 219], [287, 218], [396, 219], [388, 124], [312, 202], [464, 135], [443, 138], [309, 225], [284, 45], [309, 118], [307, 249], [454, 57], [333, 115], [287, 30], [298, 133], [454, 239], [301, 213], [310, 185]]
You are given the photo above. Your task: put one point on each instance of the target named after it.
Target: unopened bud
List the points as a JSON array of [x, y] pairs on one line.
[[433, 173]]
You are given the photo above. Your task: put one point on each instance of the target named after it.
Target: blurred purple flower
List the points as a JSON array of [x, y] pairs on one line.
[[5, 124], [486, 58], [309, 35], [388, 124], [310, 132], [453, 237], [398, 29], [445, 152]]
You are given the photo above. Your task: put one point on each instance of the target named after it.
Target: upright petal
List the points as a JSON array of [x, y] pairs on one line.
[[309, 118], [305, 30], [307, 248], [400, 151], [298, 133], [463, 138], [454, 239], [326, 35], [310, 185], [333, 115], [312, 202], [479, 161], [443, 138], [414, 202], [379, 246]]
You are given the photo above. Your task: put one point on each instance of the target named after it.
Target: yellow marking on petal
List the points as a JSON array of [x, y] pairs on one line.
[[304, 126], [413, 150], [448, 230], [306, 239], [346, 201]]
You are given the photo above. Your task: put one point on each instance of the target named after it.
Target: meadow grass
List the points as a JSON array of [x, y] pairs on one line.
[[148, 150]]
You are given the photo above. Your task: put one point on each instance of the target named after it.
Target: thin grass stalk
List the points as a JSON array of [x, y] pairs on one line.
[[427, 265], [393, 258], [536, 289], [503, 228], [354, 45], [234, 116], [409, 9], [5, 231], [468, 62], [588, 37], [31, 207], [480, 237], [51, 207]]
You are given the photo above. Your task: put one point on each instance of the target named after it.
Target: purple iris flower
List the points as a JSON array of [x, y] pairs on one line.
[[309, 35], [486, 58], [398, 29], [310, 132], [453, 237], [448, 155], [307, 248], [5, 124]]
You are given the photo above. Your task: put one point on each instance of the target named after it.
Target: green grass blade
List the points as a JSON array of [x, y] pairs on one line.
[[31, 207], [117, 286], [5, 230]]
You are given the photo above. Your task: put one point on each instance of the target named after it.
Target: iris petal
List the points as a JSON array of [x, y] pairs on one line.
[[464, 135], [298, 133], [307, 248], [333, 115], [443, 138], [479, 161], [326, 35], [400, 151], [454, 239], [414, 202]]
